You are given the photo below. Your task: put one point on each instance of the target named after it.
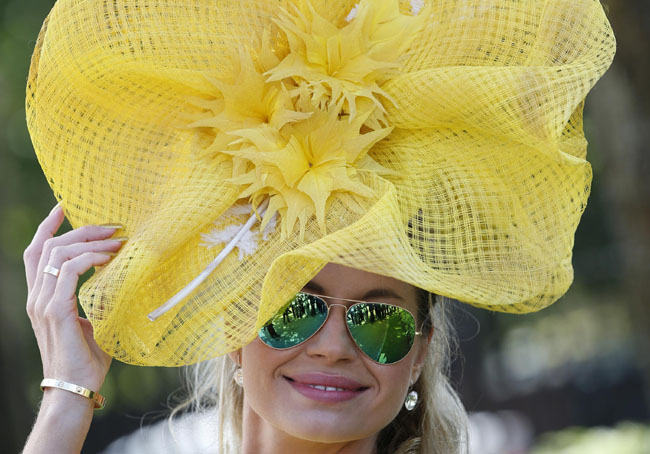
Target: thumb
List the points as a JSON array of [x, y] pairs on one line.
[[87, 329]]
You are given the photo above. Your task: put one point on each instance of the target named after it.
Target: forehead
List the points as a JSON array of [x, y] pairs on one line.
[[338, 281]]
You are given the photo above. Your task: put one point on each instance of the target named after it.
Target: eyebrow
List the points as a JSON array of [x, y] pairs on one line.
[[373, 293]]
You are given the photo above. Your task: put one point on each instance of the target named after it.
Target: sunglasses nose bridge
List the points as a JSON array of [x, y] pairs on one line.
[[329, 341], [345, 319], [329, 312]]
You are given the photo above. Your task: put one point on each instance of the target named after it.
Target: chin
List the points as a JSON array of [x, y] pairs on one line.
[[327, 428], [327, 436]]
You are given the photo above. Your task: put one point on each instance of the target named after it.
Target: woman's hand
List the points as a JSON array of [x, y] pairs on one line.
[[65, 340], [68, 350]]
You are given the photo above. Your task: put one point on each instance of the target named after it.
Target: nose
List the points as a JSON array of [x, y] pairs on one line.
[[332, 342]]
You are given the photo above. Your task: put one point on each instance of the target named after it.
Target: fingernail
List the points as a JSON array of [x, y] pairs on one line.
[[112, 225], [55, 207], [123, 239], [110, 254]]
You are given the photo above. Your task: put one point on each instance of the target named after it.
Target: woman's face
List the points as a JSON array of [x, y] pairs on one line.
[[279, 385]]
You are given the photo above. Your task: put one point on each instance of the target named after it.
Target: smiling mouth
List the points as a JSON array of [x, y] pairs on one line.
[[327, 388]]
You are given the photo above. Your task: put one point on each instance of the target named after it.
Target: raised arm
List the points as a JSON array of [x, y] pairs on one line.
[[68, 351]]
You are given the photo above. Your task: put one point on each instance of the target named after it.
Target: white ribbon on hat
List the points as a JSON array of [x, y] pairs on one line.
[[189, 288]]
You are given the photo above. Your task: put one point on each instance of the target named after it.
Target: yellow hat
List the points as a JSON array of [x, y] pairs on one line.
[[436, 142]]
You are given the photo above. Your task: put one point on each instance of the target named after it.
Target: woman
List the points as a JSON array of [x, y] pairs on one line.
[[437, 144], [276, 408]]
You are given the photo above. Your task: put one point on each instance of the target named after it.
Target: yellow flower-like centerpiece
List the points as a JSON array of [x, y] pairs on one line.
[[298, 128]]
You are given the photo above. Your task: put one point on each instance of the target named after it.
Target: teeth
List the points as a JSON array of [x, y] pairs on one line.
[[327, 388]]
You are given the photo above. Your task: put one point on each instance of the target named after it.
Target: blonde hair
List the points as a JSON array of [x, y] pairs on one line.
[[438, 425]]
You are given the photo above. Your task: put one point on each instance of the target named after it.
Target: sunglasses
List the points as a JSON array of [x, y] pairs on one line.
[[383, 332]]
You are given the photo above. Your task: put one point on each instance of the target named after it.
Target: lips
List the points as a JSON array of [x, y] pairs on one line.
[[326, 388]]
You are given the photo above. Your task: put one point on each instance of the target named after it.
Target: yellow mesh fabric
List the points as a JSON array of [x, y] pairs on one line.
[[461, 166]]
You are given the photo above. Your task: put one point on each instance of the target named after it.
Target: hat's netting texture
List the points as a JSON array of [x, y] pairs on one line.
[[471, 187]]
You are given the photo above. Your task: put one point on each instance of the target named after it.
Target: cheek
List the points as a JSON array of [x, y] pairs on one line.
[[394, 381], [259, 364]]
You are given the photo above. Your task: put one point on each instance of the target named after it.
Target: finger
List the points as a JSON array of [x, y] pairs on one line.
[[45, 230], [64, 302], [62, 254], [79, 235]]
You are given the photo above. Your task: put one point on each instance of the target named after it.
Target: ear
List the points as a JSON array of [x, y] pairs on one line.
[[235, 357], [430, 336], [423, 351]]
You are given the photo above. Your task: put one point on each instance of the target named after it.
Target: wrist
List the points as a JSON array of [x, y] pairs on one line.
[[97, 399], [64, 412], [92, 381], [61, 403]]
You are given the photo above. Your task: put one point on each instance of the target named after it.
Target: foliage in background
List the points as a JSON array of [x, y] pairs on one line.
[[625, 438]]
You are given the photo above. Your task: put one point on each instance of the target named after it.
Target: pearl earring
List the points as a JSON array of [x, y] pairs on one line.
[[238, 376], [411, 400]]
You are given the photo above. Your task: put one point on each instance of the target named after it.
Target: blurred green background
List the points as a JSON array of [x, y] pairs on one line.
[[583, 362]]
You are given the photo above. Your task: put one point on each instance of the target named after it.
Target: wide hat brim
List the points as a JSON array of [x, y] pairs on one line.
[[487, 182]]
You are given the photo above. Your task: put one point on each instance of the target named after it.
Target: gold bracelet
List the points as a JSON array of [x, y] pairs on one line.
[[98, 400]]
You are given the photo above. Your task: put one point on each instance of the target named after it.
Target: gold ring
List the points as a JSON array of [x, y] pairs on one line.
[[52, 270]]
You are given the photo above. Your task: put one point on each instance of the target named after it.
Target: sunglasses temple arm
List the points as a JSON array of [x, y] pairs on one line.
[[189, 288]]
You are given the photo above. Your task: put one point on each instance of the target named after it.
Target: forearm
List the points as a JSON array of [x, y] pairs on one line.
[[62, 424]]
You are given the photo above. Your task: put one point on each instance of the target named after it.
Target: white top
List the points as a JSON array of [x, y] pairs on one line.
[[187, 434], [196, 433]]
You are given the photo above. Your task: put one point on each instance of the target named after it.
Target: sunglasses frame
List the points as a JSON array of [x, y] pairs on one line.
[[347, 308]]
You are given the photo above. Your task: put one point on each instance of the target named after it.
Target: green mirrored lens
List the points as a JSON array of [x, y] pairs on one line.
[[382, 331], [298, 320]]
